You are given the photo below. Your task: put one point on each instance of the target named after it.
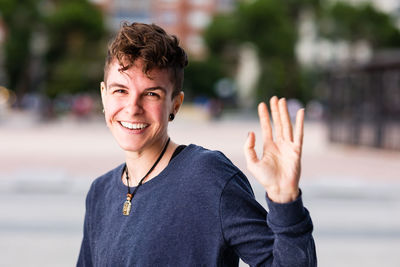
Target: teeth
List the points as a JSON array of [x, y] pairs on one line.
[[134, 126]]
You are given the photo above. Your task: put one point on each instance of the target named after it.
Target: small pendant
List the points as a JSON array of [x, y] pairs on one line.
[[127, 208]]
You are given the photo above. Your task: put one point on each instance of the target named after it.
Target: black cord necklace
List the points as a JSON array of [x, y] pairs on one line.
[[127, 204]]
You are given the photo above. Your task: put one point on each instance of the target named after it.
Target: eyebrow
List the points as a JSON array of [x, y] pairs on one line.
[[117, 85], [156, 88]]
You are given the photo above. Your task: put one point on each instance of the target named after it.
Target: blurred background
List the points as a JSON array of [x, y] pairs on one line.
[[338, 59]]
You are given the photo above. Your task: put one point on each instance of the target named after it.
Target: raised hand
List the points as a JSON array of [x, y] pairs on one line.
[[278, 169]]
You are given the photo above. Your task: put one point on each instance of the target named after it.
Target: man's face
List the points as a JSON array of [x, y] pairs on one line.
[[136, 107]]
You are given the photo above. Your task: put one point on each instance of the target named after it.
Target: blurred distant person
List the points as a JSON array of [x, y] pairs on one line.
[[315, 110], [184, 205], [293, 106], [82, 106]]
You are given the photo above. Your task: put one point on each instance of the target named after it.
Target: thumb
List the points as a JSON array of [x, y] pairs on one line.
[[249, 152]]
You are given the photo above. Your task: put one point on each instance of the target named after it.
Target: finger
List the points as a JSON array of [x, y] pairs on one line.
[[265, 123], [299, 131], [249, 151], [276, 117], [285, 119]]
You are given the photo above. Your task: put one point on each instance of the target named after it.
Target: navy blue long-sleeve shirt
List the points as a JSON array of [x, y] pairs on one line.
[[199, 211]]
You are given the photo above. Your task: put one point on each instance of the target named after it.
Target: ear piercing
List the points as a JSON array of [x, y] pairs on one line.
[[171, 117]]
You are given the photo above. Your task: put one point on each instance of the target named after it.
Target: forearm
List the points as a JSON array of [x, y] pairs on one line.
[[292, 227], [278, 238]]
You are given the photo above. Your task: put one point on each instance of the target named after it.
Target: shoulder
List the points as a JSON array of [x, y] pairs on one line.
[[211, 161], [198, 168], [214, 175], [105, 181]]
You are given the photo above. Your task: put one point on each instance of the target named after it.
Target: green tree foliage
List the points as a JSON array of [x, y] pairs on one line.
[[267, 25], [272, 27], [200, 78], [21, 19], [222, 33], [76, 48], [360, 22], [73, 57]]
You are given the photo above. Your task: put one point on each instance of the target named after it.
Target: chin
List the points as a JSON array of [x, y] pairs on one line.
[[131, 147]]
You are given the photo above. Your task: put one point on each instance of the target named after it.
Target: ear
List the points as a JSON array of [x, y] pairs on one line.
[[103, 91], [177, 101]]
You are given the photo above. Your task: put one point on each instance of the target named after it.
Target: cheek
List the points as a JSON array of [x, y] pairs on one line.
[[111, 107], [156, 109], [158, 112]]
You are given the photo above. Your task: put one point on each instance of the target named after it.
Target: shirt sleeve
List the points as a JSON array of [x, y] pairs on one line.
[[85, 256], [282, 237]]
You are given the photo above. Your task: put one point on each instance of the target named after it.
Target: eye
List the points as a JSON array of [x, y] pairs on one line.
[[152, 94], [119, 91]]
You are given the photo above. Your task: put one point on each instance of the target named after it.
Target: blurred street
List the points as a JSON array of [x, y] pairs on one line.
[[46, 170]]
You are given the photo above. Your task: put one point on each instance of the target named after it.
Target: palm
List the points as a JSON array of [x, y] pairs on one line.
[[278, 169]]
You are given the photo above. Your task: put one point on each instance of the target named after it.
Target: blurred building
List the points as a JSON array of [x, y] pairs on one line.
[[363, 87], [118, 11], [187, 19], [364, 102], [315, 51]]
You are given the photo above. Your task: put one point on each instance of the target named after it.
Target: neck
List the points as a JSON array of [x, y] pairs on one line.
[[140, 162]]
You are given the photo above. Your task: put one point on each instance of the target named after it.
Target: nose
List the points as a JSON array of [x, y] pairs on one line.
[[134, 105]]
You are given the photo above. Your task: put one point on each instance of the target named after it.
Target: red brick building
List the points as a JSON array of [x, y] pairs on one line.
[[185, 18]]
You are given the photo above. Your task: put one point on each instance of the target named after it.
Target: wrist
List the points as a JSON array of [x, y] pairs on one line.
[[281, 197]]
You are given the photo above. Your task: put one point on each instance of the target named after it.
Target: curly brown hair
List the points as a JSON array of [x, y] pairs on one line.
[[153, 46]]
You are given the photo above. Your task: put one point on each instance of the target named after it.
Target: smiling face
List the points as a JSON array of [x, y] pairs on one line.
[[136, 107]]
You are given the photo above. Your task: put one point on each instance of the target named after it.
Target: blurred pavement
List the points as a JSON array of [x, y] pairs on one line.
[[46, 170]]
